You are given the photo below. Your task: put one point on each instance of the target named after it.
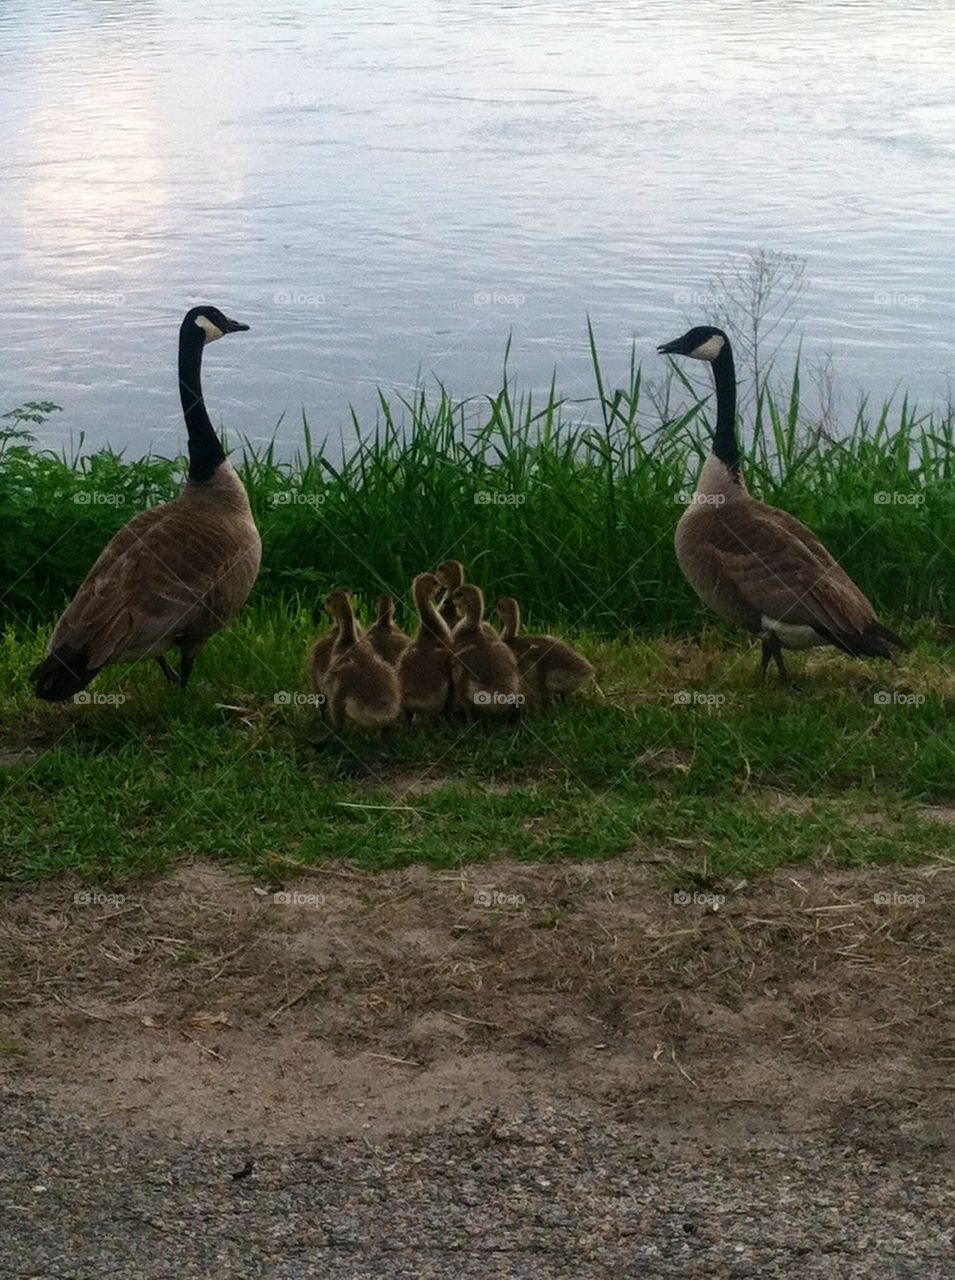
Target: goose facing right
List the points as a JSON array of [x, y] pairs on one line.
[[177, 572], [758, 566]]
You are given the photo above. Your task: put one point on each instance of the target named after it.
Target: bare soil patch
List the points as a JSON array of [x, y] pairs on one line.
[[203, 1003]]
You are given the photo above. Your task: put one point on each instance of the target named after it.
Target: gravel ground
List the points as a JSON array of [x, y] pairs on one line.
[[416, 1087], [549, 1191]]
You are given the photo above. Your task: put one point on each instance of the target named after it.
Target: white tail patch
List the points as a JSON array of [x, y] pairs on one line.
[[792, 635]]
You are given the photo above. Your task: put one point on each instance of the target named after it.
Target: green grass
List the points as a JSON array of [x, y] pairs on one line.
[[575, 519], [687, 763]]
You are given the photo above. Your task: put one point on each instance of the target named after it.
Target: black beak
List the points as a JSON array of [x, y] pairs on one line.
[[235, 326], [674, 348]]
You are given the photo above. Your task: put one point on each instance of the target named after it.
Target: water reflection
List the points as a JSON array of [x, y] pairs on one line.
[[381, 192]]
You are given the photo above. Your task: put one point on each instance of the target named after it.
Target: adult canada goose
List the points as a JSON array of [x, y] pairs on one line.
[[484, 670], [387, 639], [756, 565], [359, 685], [175, 574], [451, 576], [424, 671], [550, 667]]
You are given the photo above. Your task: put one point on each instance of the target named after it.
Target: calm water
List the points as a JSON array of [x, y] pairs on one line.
[[382, 189]]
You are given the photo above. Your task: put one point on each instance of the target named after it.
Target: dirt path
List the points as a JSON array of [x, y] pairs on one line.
[[575, 1077]]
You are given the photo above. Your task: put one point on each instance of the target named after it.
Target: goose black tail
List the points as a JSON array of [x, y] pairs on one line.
[[876, 641], [61, 675], [888, 637]]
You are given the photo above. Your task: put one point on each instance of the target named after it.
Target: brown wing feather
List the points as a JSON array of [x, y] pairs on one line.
[[171, 571], [782, 569]]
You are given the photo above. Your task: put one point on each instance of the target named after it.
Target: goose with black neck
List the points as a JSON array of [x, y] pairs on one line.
[[756, 565], [176, 573]]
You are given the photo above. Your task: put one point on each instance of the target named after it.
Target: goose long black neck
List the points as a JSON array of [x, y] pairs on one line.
[[725, 443], [205, 450]]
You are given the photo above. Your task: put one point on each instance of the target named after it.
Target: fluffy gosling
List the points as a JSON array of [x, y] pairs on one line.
[[551, 668], [484, 670], [384, 636], [424, 671], [451, 576], [359, 686]]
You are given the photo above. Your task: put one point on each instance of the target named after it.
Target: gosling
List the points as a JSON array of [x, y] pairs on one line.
[[359, 686], [387, 639], [451, 576], [484, 671], [424, 671], [551, 668]]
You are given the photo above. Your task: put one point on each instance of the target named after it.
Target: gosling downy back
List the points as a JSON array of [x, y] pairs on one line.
[[550, 667], [320, 655], [359, 686], [424, 671], [754, 564], [384, 636], [484, 670], [176, 573]]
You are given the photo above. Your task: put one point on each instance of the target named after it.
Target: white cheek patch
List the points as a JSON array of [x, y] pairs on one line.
[[709, 349], [212, 331]]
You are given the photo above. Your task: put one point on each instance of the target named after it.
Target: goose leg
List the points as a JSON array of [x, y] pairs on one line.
[[167, 671], [773, 650], [187, 656]]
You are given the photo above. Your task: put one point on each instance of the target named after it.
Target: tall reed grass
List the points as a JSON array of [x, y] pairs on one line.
[[573, 515]]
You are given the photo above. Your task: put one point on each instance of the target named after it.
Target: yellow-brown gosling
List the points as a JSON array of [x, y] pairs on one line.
[[451, 576], [424, 671], [550, 667], [176, 573], [359, 687], [484, 670], [385, 637]]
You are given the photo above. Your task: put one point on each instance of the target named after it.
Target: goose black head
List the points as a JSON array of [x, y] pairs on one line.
[[212, 322], [700, 343]]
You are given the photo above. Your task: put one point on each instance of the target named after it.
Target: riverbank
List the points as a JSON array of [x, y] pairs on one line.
[[682, 752]]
